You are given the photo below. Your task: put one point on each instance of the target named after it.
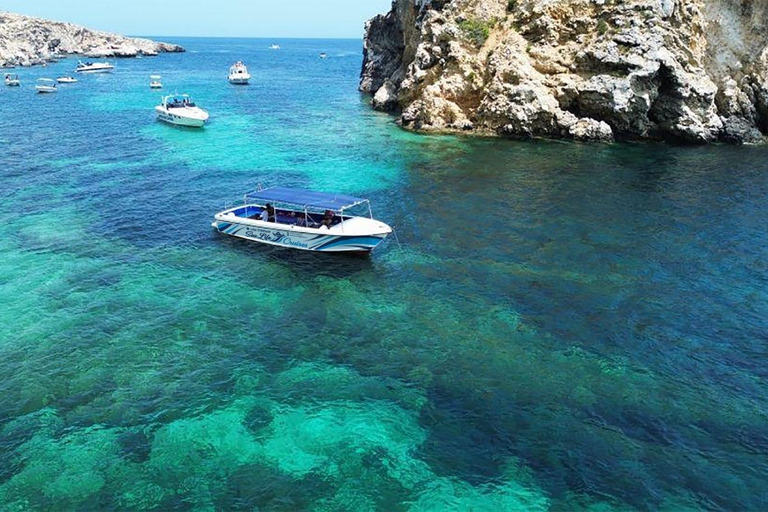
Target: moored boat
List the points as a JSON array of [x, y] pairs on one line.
[[154, 82], [274, 46], [323, 55], [304, 220], [45, 85], [12, 80], [66, 80], [238, 74], [94, 67], [180, 110]]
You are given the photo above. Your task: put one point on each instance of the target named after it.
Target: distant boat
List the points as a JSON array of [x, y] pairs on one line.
[[179, 109], [155, 82], [94, 67], [12, 80], [238, 74], [274, 46], [45, 85], [323, 55], [66, 80]]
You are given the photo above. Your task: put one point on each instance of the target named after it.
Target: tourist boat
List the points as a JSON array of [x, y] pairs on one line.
[[179, 109], [154, 82], [12, 80], [94, 67], [238, 74], [303, 219], [45, 85], [66, 80], [274, 46]]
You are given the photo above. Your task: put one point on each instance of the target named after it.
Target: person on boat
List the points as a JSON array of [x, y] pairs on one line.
[[268, 215], [327, 219]]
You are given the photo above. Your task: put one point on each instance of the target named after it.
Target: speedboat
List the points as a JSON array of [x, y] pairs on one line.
[[274, 46], [94, 67], [46, 85], [66, 80], [238, 74], [304, 220], [154, 82], [323, 55], [179, 109], [12, 80]]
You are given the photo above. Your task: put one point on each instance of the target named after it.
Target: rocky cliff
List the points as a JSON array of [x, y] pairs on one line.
[[25, 41], [689, 70]]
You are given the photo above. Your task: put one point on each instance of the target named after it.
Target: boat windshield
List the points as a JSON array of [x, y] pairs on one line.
[[179, 101]]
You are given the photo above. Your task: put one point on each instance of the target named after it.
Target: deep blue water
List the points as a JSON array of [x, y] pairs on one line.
[[565, 326]]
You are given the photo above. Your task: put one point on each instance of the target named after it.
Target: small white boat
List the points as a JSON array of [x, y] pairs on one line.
[[154, 82], [12, 80], [66, 80], [94, 67], [304, 220], [274, 46], [45, 85], [180, 110], [238, 74], [323, 55]]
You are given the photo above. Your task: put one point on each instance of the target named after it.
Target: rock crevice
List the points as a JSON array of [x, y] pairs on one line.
[[689, 70]]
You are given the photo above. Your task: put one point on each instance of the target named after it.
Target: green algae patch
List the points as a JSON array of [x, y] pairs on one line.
[[65, 472], [330, 438]]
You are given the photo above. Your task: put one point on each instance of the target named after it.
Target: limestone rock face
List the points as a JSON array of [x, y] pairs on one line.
[[26, 41], [688, 70]]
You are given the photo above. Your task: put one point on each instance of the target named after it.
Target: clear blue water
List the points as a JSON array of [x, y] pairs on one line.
[[566, 326]]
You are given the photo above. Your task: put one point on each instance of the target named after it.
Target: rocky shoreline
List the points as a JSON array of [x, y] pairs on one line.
[[692, 71], [29, 41]]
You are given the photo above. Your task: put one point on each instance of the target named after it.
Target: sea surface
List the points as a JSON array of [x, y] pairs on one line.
[[557, 326]]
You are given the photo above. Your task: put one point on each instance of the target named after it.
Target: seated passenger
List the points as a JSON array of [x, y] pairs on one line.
[[327, 219]]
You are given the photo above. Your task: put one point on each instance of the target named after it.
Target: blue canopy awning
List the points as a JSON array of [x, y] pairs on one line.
[[307, 198]]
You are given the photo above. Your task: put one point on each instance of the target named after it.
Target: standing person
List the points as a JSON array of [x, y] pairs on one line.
[[268, 213]]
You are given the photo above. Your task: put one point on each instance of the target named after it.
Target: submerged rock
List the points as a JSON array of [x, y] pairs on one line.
[[27, 41], [687, 70]]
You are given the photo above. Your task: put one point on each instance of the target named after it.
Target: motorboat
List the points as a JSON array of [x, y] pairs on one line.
[[66, 80], [323, 55], [94, 67], [154, 82], [305, 220], [12, 80], [46, 85], [274, 46], [238, 74], [180, 110]]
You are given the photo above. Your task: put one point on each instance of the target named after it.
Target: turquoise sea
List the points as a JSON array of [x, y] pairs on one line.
[[563, 327]]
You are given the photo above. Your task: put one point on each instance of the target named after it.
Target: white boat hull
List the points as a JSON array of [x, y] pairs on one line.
[[12, 83], [239, 80], [292, 237], [168, 116], [45, 90]]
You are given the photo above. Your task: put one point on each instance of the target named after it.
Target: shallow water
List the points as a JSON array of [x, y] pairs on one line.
[[565, 326]]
